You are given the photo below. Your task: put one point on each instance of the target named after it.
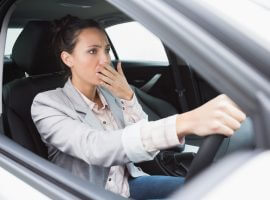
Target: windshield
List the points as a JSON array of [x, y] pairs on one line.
[[252, 17]]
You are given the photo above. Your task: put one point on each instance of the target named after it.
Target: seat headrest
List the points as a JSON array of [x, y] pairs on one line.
[[32, 51]]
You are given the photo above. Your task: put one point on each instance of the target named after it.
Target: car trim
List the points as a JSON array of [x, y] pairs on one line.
[[250, 51], [58, 176], [33, 180], [214, 175]]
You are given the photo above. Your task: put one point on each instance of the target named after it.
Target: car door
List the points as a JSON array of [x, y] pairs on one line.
[[231, 56]]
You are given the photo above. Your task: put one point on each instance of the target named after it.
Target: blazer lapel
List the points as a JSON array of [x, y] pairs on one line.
[[115, 107], [81, 106], [75, 98], [92, 120]]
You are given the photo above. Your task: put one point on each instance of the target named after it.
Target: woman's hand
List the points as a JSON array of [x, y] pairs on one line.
[[219, 115], [115, 81]]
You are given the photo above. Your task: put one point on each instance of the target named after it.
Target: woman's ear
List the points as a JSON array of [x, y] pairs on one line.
[[67, 59]]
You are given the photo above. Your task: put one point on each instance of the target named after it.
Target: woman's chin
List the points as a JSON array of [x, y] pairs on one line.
[[97, 83]]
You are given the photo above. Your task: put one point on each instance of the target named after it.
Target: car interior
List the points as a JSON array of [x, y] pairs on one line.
[[32, 68]]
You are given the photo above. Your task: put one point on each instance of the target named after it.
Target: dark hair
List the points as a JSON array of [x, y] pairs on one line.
[[65, 33]]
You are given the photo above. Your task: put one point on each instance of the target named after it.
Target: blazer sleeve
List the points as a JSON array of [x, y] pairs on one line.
[[59, 127]]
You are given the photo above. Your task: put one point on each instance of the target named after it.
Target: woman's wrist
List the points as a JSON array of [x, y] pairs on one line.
[[184, 124], [129, 95]]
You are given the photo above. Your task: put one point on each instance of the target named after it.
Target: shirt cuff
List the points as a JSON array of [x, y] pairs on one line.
[[129, 103], [160, 134], [132, 143]]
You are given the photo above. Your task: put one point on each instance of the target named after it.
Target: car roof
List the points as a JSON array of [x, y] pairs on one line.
[[100, 10]]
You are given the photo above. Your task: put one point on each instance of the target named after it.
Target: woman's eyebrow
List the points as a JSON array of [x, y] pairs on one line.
[[95, 45], [99, 46]]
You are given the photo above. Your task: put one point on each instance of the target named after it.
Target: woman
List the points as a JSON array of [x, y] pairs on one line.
[[95, 128]]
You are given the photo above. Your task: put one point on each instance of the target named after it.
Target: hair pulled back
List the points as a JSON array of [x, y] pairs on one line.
[[65, 34]]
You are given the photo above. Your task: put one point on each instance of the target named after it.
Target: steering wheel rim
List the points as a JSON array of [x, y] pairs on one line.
[[205, 155]]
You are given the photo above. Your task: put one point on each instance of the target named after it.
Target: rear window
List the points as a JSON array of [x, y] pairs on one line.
[[12, 35]]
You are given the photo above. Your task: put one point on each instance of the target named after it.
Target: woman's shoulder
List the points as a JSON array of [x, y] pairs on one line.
[[51, 96], [52, 103]]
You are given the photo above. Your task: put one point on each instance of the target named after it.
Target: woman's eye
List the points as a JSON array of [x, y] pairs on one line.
[[92, 51], [108, 50]]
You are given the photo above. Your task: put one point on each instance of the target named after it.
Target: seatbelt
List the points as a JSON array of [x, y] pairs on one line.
[[180, 89]]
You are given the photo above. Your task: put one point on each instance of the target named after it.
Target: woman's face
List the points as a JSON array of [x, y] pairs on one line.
[[90, 54]]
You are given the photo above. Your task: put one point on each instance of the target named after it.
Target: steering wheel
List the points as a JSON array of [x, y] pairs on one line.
[[205, 155]]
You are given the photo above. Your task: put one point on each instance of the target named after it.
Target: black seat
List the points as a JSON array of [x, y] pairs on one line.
[[33, 55], [11, 71]]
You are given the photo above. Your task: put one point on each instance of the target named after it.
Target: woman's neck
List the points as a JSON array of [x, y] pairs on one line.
[[88, 90]]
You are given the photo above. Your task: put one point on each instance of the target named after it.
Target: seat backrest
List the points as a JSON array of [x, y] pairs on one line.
[[155, 108], [34, 56], [11, 71]]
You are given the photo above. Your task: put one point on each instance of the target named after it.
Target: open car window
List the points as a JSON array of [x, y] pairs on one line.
[[135, 43]]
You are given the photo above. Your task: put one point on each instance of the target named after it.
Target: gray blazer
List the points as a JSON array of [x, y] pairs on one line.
[[76, 139]]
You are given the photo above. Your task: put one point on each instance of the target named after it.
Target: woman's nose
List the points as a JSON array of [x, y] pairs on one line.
[[104, 59]]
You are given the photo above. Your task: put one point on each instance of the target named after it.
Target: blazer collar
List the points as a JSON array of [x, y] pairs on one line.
[[81, 106]]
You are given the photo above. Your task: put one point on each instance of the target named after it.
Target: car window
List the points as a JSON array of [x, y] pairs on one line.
[[12, 35], [140, 45]]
